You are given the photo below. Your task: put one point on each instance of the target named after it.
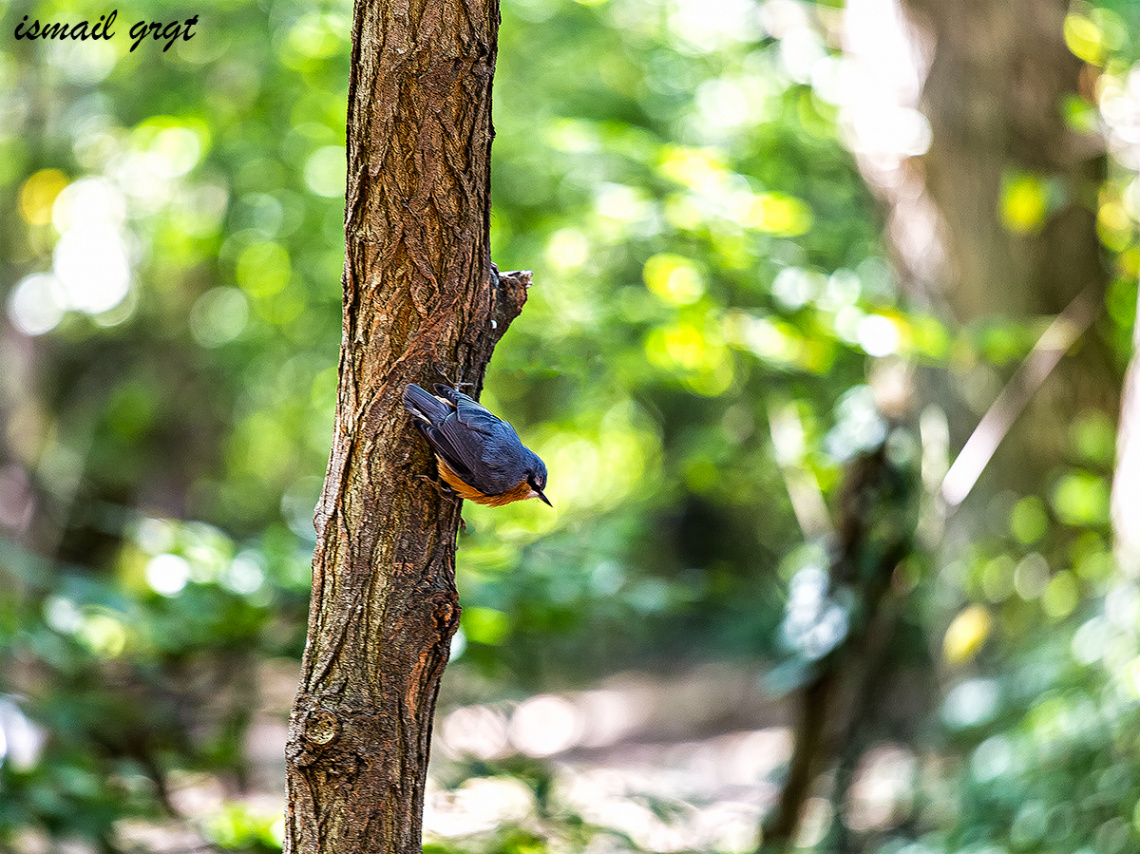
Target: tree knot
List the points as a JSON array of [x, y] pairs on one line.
[[321, 727], [312, 728], [446, 618]]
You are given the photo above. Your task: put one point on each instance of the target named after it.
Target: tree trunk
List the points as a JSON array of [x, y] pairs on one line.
[[994, 93], [419, 290], [999, 72], [847, 690]]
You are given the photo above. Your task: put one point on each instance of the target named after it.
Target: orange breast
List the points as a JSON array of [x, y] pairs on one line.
[[518, 493]]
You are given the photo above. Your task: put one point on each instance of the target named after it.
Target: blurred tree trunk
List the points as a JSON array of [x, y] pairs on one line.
[[419, 289], [1013, 192], [994, 92], [841, 701]]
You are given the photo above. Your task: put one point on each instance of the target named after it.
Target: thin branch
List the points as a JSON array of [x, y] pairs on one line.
[[979, 449], [803, 489]]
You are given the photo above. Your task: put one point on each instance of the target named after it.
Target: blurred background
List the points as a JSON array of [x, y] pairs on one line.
[[778, 247]]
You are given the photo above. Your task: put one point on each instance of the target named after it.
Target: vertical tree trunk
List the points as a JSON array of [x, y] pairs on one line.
[[999, 76], [999, 73], [845, 693], [995, 81], [419, 289]]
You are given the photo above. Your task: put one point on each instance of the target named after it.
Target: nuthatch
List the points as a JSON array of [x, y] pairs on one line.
[[479, 454]]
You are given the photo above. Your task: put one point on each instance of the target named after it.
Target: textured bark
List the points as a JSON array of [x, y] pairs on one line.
[[419, 290]]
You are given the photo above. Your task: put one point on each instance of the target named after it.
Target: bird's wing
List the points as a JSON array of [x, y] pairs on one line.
[[480, 447], [485, 450], [425, 406], [470, 412], [447, 451]]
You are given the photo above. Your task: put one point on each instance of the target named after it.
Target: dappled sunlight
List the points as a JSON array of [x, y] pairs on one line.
[[705, 794], [478, 805], [21, 740], [724, 206], [545, 725]]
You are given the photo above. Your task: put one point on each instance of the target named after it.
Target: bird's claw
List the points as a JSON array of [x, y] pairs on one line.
[[442, 488], [447, 492], [441, 369]]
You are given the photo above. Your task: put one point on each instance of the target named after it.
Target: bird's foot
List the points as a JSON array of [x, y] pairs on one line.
[[441, 369], [443, 489]]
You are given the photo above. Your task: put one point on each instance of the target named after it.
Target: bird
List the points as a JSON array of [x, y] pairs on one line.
[[480, 456]]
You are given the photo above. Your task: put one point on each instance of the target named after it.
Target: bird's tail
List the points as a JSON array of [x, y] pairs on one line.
[[425, 406]]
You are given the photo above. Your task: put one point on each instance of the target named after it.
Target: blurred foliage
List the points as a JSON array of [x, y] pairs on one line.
[[708, 265]]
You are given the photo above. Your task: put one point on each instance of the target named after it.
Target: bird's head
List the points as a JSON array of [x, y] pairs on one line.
[[536, 478]]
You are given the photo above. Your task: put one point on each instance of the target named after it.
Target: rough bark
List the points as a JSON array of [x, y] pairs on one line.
[[419, 290]]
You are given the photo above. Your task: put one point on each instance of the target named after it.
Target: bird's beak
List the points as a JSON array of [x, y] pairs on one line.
[[538, 492]]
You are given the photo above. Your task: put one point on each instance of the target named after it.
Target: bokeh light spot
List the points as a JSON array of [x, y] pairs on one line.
[[485, 625], [1084, 38], [674, 279], [103, 634], [167, 574], [966, 634], [38, 194], [37, 303], [878, 335], [326, 171], [1028, 521], [219, 316], [478, 731], [1061, 595], [780, 214], [1024, 203], [90, 260], [21, 740], [263, 269], [244, 575], [567, 249], [89, 201], [971, 703], [545, 725], [1081, 499]]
